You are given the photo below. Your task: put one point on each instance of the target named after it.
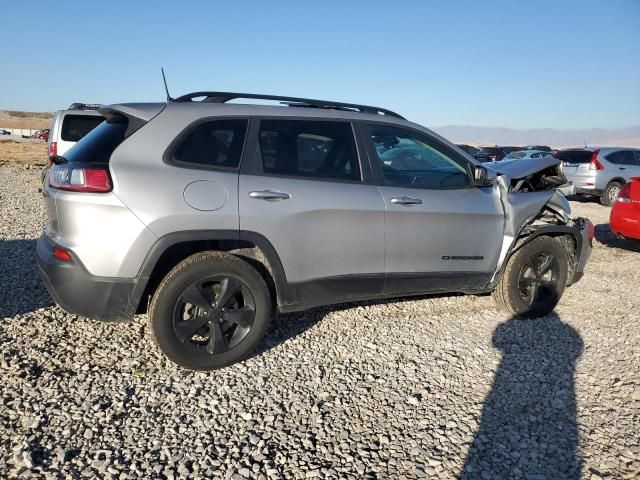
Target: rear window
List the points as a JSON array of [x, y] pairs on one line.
[[574, 156], [98, 145], [74, 127]]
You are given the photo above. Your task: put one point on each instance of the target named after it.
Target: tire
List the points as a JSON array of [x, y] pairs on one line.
[[526, 275], [610, 193], [210, 311]]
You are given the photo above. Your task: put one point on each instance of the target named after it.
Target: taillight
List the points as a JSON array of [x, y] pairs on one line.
[[61, 254], [595, 163], [625, 194], [80, 178], [53, 149]]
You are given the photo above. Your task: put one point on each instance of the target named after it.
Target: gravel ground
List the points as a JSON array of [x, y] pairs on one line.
[[441, 387]]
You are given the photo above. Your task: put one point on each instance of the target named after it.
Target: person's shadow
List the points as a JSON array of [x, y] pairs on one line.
[[528, 425]]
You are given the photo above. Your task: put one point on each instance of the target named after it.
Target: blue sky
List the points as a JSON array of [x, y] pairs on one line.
[[521, 64]]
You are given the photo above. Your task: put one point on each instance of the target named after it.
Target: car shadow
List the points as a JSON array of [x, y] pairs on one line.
[[578, 197], [22, 291], [605, 236], [528, 424], [289, 325]]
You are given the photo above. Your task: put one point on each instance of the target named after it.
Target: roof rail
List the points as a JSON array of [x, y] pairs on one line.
[[223, 97], [84, 106]]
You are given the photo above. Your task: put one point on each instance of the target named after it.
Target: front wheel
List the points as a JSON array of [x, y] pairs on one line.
[[210, 311], [534, 279]]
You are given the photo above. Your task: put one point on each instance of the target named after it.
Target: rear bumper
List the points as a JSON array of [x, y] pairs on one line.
[[80, 293]]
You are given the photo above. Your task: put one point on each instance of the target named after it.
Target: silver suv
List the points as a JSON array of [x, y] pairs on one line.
[[213, 216], [600, 172]]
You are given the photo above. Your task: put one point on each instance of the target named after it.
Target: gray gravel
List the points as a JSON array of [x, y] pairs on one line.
[[429, 388]]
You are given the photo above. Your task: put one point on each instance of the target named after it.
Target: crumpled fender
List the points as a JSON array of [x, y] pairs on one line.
[[520, 208]]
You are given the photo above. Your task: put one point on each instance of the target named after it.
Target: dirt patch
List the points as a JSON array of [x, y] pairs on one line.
[[23, 153], [31, 120]]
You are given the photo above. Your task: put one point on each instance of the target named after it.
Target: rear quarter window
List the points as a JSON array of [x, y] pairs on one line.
[[213, 143], [74, 127]]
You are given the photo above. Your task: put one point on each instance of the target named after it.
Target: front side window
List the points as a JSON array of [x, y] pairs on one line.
[[214, 143], [407, 158], [309, 148]]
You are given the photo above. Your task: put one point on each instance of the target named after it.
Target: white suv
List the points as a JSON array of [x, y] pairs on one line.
[[69, 126]]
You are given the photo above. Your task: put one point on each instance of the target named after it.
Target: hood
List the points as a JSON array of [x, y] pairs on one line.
[[517, 169]]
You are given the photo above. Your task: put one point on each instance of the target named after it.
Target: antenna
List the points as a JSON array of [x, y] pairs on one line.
[[166, 89]]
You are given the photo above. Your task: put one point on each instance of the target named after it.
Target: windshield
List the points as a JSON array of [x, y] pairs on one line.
[[515, 155]]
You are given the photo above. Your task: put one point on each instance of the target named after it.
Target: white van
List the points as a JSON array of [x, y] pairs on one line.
[[69, 126]]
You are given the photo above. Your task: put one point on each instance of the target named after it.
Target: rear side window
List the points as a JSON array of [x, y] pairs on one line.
[[98, 145], [309, 149], [214, 143], [622, 157], [574, 156], [74, 127]]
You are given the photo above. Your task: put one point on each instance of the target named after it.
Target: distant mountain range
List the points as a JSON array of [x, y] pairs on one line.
[[542, 136]]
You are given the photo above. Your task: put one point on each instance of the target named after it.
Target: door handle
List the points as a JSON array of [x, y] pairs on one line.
[[406, 201], [622, 168], [269, 195]]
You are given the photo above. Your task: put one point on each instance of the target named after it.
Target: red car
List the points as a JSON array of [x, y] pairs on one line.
[[625, 214], [43, 134]]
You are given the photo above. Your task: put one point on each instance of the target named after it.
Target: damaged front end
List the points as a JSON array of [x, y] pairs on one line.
[[532, 193]]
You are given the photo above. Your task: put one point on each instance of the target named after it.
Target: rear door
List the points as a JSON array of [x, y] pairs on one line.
[[308, 192], [625, 162], [442, 233]]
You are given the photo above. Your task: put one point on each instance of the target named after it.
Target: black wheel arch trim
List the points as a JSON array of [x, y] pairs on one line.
[[285, 292], [533, 231]]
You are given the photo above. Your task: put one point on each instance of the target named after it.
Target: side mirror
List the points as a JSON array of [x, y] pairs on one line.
[[483, 177]]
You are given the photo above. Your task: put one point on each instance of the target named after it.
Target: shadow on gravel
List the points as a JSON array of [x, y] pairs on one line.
[[605, 236], [528, 426], [584, 198], [21, 290], [290, 325]]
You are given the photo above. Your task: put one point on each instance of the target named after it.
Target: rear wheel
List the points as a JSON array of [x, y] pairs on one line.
[[210, 311], [610, 194], [534, 279]]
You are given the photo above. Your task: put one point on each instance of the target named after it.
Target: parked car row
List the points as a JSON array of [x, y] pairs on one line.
[[600, 172], [497, 153]]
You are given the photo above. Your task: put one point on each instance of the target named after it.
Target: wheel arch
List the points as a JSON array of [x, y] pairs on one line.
[[173, 248], [534, 231], [619, 180]]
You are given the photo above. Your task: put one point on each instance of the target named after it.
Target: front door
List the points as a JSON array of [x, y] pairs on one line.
[[442, 233]]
